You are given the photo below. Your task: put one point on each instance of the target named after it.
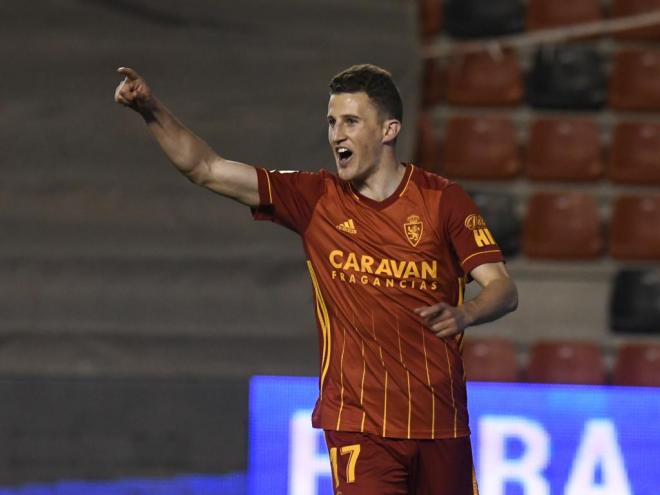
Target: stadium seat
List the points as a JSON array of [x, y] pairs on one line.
[[562, 226], [566, 362], [429, 14], [635, 153], [625, 8], [433, 83], [490, 360], [567, 77], [635, 228], [564, 150], [635, 83], [499, 211], [547, 14], [483, 18], [480, 148], [428, 145], [638, 364], [482, 79], [635, 301]]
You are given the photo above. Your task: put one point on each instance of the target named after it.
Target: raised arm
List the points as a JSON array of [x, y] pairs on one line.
[[190, 154]]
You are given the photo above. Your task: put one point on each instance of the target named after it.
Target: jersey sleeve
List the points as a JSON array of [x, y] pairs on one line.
[[288, 198], [466, 230]]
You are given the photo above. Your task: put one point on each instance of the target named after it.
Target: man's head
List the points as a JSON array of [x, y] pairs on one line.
[[364, 118]]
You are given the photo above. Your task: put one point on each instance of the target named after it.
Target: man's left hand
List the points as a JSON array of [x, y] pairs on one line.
[[444, 319]]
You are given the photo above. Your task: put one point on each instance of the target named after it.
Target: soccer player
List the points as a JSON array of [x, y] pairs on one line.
[[390, 248]]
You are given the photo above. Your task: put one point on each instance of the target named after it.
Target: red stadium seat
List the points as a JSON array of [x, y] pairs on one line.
[[490, 360], [481, 79], [635, 152], [546, 14], [480, 148], [625, 8], [635, 82], [428, 144], [566, 362], [635, 228], [638, 365], [564, 150], [429, 13], [562, 226], [434, 83]]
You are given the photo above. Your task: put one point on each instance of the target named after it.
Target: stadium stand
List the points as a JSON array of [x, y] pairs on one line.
[[499, 211], [635, 81], [485, 80], [545, 14], [564, 149], [634, 153], [490, 360], [483, 18], [622, 8], [433, 83], [562, 226], [570, 77], [428, 154], [429, 14], [566, 362], [638, 364], [635, 301], [102, 249], [480, 148], [635, 228]]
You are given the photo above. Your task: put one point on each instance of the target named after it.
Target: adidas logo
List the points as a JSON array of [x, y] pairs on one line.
[[348, 226]]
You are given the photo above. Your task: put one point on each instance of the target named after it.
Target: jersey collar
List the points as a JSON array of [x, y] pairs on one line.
[[400, 191]]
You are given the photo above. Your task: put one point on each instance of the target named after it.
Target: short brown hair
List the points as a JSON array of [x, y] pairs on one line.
[[376, 82]]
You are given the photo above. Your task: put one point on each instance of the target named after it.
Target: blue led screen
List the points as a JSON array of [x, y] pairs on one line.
[[528, 439]]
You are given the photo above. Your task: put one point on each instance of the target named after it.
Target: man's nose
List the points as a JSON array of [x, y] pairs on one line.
[[337, 134]]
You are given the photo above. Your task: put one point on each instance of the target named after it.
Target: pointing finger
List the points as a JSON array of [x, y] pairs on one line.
[[130, 74]]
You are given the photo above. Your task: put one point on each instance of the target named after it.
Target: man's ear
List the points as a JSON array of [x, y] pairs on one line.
[[391, 129]]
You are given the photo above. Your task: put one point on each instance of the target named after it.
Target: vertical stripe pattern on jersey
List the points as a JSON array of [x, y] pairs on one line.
[[341, 378], [403, 364], [324, 322], [428, 381], [451, 387]]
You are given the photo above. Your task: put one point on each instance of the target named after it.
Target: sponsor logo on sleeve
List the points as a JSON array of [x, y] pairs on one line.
[[482, 236]]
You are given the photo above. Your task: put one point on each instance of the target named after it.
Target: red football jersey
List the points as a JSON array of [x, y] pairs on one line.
[[382, 371]]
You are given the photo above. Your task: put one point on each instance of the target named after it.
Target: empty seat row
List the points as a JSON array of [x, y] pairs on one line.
[[482, 18], [561, 77], [572, 362], [568, 226], [558, 149]]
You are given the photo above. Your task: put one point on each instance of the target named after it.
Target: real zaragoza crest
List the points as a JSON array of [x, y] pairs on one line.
[[413, 229]]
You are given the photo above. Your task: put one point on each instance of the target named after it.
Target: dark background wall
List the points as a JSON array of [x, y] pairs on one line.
[[134, 306]]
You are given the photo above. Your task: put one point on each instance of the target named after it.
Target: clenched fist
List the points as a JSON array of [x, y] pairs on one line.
[[133, 91]]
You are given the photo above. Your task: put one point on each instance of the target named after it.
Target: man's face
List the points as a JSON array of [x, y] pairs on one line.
[[356, 133]]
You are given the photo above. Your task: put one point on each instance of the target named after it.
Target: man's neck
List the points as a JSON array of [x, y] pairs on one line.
[[383, 181]]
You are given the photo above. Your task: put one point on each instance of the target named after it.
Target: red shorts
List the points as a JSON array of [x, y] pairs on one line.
[[364, 464]]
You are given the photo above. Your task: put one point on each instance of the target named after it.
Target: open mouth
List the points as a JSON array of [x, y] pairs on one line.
[[344, 155]]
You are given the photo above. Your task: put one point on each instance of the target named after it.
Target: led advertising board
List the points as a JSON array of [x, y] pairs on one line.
[[528, 439]]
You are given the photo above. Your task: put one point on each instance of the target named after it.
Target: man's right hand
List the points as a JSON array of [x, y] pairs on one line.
[[133, 91]]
